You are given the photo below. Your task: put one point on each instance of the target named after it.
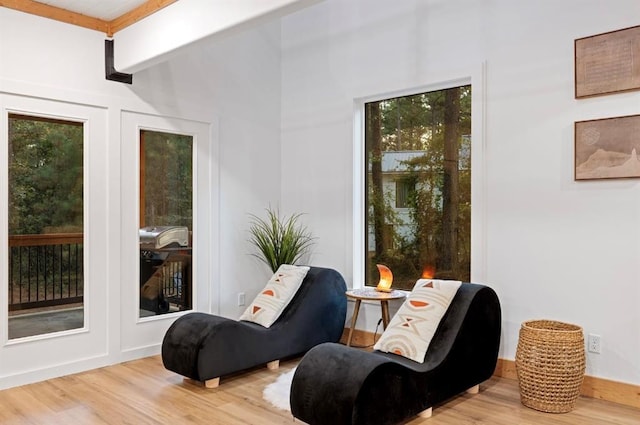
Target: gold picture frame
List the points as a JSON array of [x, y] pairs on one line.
[[607, 148], [604, 63]]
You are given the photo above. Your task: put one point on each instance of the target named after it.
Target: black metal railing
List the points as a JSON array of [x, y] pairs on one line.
[[172, 279], [45, 270]]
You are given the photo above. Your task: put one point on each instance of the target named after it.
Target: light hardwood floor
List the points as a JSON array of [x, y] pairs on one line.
[[142, 392]]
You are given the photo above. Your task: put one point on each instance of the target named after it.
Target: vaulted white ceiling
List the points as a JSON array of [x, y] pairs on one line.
[[102, 9]]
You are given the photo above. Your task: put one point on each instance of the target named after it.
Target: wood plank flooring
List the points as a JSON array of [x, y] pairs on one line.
[[142, 392]]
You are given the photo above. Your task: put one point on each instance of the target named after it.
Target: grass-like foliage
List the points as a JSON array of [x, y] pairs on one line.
[[279, 240]]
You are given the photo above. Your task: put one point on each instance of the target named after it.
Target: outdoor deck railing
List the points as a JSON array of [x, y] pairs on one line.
[[45, 270]]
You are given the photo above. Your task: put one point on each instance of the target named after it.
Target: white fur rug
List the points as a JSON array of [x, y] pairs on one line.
[[277, 394]]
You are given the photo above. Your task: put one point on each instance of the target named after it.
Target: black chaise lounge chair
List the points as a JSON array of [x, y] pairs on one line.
[[334, 384], [204, 347]]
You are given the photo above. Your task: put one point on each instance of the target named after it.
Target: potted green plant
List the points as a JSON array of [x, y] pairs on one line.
[[279, 240]]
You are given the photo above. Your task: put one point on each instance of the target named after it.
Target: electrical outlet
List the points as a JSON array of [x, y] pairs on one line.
[[594, 344], [241, 299]]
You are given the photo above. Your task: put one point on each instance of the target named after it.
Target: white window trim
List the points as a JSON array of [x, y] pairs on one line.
[[21, 359], [140, 335]]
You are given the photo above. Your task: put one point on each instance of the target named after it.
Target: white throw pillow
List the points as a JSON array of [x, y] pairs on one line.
[[274, 298], [410, 331]]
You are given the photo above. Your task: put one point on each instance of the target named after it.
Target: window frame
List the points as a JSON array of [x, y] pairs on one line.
[[188, 251], [61, 237], [141, 333], [474, 76], [89, 344]]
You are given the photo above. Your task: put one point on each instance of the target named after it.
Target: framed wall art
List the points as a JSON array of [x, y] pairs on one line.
[[607, 148], [605, 64]]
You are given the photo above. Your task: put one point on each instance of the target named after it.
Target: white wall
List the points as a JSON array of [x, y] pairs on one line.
[[554, 248], [232, 86], [238, 77]]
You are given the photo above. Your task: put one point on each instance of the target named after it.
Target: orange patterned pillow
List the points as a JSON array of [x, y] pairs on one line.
[[274, 298], [410, 331]]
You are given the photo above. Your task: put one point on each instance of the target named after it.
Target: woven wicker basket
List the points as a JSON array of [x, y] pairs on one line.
[[550, 362]]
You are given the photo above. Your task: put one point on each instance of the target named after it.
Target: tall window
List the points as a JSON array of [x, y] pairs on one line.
[[166, 221], [46, 209], [418, 186]]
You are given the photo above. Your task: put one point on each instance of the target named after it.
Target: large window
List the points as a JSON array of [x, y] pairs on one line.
[[166, 222], [46, 210], [418, 186]]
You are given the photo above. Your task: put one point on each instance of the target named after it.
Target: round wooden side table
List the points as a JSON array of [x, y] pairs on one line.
[[371, 294]]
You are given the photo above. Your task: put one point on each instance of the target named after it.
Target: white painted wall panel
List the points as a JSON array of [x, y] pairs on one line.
[[22, 358], [240, 78], [553, 248], [232, 84]]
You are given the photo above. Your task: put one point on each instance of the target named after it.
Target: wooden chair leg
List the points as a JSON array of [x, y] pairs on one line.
[[212, 383], [474, 390], [273, 365], [426, 413]]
